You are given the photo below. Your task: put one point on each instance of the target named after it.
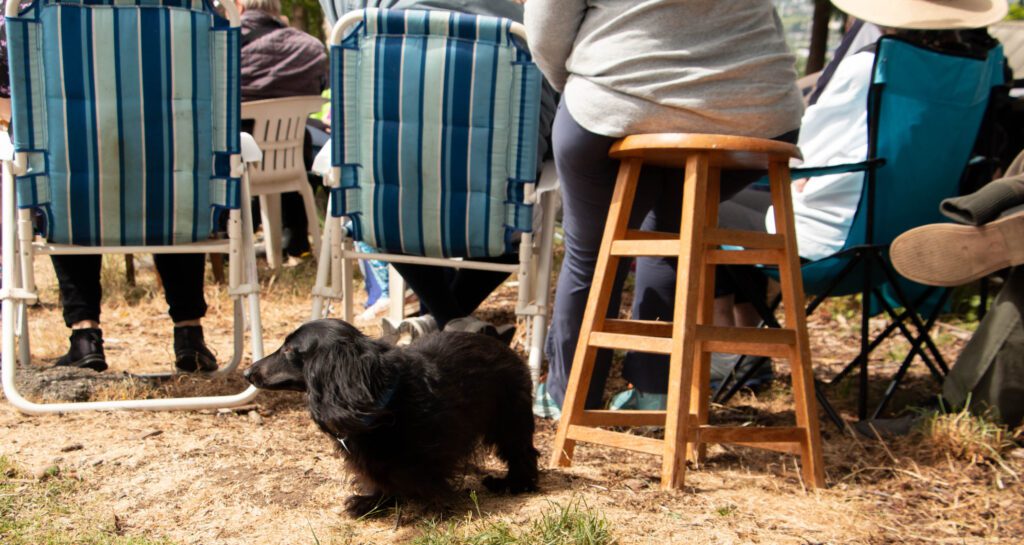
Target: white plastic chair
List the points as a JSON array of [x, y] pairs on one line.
[[279, 126]]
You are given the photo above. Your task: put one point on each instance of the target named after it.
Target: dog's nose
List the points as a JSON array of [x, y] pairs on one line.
[[247, 374]]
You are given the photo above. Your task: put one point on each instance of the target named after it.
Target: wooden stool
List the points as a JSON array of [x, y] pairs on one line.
[[691, 336]]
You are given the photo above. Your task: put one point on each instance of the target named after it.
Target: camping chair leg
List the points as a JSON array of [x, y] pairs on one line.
[[24, 261], [894, 282], [738, 380], [830, 411], [915, 349], [542, 283], [396, 287], [923, 335], [865, 336], [329, 259], [252, 281], [347, 272]]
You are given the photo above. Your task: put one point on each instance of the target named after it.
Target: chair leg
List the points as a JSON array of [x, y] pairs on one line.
[[791, 280], [329, 258], [700, 396], [396, 287], [270, 212], [593, 316], [686, 316], [312, 218]]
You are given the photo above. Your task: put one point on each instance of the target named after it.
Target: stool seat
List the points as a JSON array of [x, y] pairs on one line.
[[691, 336], [730, 152]]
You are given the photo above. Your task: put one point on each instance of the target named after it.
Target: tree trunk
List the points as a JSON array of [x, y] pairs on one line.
[[819, 36]]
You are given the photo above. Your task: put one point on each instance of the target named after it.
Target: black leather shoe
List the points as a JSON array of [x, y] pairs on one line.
[[86, 350], [190, 352]]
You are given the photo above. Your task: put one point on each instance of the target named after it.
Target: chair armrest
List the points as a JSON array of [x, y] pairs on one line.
[[251, 152], [548, 179], [811, 172], [6, 147]]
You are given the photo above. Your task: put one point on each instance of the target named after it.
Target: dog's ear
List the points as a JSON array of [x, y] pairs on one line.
[[347, 379]]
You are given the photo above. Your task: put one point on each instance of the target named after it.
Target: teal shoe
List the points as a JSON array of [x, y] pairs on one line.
[[543, 405], [635, 400]]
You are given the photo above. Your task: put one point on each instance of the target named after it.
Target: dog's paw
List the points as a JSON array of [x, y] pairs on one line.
[[508, 486], [368, 506]]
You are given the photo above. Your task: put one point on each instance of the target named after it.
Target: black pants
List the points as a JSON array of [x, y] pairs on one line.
[[745, 211], [452, 293], [80, 291]]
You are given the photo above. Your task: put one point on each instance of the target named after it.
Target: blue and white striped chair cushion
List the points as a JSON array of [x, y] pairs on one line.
[[435, 123], [128, 112]]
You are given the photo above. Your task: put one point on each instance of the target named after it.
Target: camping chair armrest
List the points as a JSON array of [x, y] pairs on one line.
[[548, 179], [811, 172], [6, 147], [251, 152]]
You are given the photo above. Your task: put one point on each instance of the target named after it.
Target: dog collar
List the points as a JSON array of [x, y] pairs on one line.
[[385, 399]]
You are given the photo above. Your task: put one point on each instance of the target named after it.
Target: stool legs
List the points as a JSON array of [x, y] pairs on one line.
[[700, 394], [596, 310], [791, 281], [691, 336]]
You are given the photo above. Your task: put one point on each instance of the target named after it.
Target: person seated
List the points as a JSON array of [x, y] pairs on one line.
[[834, 131], [279, 61], [78, 277], [988, 376], [447, 295], [714, 66]]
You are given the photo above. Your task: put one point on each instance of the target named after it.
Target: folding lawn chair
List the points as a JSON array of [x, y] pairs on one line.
[[924, 112], [125, 129], [434, 158]]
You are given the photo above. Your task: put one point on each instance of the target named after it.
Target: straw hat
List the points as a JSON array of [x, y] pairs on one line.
[[926, 14]]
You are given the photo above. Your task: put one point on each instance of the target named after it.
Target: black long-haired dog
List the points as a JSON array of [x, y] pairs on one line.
[[408, 418]]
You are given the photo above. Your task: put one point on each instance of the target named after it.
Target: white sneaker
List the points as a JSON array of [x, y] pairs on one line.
[[418, 326]]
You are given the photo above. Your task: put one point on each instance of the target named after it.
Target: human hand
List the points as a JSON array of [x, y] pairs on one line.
[[799, 183]]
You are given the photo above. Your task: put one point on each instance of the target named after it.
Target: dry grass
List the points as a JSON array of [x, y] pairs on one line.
[[268, 476]]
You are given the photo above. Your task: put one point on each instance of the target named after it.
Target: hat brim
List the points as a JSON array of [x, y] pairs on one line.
[[926, 14]]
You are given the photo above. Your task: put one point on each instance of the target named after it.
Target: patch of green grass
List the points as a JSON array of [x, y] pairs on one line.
[[44, 512], [574, 523], [725, 510]]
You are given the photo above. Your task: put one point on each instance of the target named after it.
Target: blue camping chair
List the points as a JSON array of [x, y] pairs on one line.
[[924, 112], [125, 140], [434, 153]]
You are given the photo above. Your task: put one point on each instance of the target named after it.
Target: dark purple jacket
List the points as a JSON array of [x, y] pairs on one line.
[[279, 61]]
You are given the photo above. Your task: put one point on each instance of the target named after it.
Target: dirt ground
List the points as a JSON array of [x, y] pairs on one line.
[[265, 475]]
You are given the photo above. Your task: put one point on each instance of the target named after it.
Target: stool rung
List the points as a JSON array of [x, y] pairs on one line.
[[637, 343], [648, 328], [745, 257], [747, 434], [623, 418], [751, 240], [752, 341], [616, 439], [646, 248]]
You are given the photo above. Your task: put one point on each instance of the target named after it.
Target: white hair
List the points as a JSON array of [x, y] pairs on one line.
[[271, 7]]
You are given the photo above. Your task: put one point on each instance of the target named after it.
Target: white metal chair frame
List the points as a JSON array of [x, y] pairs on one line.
[[533, 272], [19, 288], [279, 126]]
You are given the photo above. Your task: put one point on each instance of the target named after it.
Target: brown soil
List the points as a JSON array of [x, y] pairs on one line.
[[265, 475]]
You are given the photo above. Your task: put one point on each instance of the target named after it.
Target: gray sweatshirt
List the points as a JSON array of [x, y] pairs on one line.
[[647, 66]]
